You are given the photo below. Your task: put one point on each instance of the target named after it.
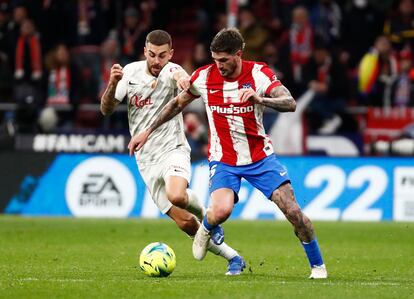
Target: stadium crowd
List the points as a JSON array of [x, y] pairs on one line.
[[355, 56]]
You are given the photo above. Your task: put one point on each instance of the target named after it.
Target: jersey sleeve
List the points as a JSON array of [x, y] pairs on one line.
[[268, 79], [171, 70], [193, 90], [122, 87], [121, 90]]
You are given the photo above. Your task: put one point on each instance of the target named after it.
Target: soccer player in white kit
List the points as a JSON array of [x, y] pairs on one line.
[[235, 93], [164, 162]]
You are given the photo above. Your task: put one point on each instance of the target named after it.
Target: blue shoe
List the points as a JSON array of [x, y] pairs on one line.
[[217, 235], [236, 266]]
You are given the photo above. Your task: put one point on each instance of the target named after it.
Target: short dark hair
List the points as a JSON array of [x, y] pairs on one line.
[[159, 38], [228, 40]]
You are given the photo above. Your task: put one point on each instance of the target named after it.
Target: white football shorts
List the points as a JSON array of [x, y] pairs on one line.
[[176, 163]]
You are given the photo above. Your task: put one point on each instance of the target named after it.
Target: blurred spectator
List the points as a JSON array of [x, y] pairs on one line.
[[301, 44], [282, 11], [327, 78], [48, 18], [254, 34], [378, 71], [362, 24], [287, 48], [28, 75], [400, 27], [404, 88], [132, 35], [208, 14], [281, 20], [196, 133], [86, 32], [28, 57], [326, 18], [60, 77], [87, 23], [199, 58], [220, 23], [19, 15]]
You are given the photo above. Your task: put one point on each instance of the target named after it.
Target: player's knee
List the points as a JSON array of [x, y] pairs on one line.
[[276, 196], [221, 213], [177, 198]]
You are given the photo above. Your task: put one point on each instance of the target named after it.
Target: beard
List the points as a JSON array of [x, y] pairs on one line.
[[154, 69], [228, 71]]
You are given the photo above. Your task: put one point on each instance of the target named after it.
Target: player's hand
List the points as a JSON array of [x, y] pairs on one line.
[[138, 141], [248, 94], [183, 83], [116, 74]]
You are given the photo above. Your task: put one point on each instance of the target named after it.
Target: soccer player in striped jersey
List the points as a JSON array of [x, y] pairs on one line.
[[235, 93], [164, 163]]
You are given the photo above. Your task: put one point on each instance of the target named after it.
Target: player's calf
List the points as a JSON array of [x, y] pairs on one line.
[[184, 220]]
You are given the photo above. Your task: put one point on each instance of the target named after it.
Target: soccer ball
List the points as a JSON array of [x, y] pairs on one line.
[[157, 259]]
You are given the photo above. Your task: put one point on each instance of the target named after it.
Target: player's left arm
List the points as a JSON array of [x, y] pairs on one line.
[[280, 98]]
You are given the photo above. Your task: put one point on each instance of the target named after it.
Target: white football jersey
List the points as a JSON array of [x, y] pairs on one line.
[[146, 96]]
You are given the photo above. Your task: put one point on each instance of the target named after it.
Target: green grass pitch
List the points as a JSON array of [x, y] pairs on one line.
[[88, 258]]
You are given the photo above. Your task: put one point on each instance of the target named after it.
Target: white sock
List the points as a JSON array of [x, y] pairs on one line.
[[223, 250], [194, 205]]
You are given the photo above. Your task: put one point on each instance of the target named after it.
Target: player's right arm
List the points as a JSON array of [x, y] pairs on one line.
[[108, 100], [173, 108]]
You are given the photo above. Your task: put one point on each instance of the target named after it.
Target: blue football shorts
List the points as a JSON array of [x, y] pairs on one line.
[[266, 175]]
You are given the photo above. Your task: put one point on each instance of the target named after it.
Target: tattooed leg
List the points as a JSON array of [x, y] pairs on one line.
[[284, 198]]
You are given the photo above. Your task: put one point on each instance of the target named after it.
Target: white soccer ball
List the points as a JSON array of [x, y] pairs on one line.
[[157, 259]]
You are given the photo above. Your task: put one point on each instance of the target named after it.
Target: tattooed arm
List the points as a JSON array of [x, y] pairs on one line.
[[174, 107], [280, 98], [108, 101]]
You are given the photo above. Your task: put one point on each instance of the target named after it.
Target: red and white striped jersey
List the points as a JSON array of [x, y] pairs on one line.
[[236, 135]]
